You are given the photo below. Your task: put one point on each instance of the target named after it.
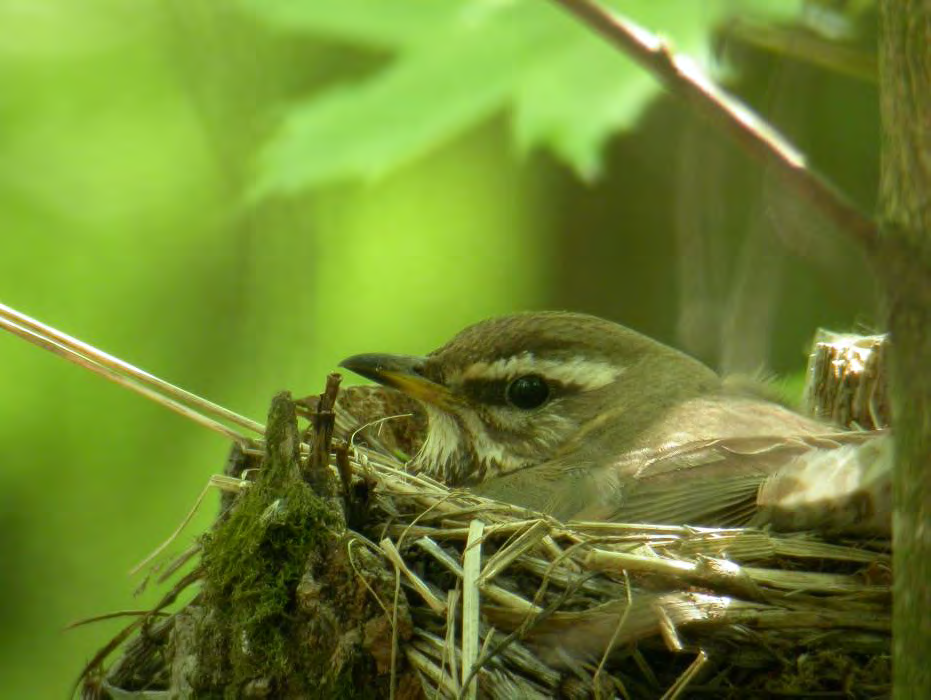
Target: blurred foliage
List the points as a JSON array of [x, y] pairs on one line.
[[458, 62], [417, 152]]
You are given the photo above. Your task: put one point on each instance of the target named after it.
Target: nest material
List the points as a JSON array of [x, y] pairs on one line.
[[847, 380], [389, 584]]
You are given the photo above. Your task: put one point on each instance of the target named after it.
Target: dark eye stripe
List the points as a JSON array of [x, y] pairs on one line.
[[484, 391], [493, 392]]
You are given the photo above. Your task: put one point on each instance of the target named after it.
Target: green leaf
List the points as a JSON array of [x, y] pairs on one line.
[[364, 130], [587, 91], [571, 109], [569, 89]]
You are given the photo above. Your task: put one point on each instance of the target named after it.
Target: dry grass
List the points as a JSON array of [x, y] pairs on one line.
[[505, 603]]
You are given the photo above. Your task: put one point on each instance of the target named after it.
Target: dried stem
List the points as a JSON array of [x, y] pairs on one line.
[[685, 80], [180, 401], [324, 420]]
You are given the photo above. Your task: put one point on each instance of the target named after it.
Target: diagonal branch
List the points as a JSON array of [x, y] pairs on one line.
[[684, 79]]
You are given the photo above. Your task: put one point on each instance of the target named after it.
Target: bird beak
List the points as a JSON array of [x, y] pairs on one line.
[[401, 372]]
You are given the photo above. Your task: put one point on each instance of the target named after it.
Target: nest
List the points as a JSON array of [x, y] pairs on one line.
[[332, 572]]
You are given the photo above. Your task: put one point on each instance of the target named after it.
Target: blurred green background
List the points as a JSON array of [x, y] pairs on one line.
[[235, 196]]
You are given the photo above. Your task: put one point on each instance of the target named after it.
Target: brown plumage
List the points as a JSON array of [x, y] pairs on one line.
[[582, 418]]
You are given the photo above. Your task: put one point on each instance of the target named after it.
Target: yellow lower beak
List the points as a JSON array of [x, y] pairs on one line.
[[401, 372]]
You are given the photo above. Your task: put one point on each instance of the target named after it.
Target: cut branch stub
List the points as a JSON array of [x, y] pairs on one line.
[[317, 471]]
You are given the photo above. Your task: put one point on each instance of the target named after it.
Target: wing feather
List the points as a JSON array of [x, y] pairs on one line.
[[834, 481]]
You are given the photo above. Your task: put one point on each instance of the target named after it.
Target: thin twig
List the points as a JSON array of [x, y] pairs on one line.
[[121, 636], [507, 554], [685, 80], [522, 629], [394, 634], [452, 603], [429, 597], [117, 378], [216, 481], [617, 632], [682, 682], [74, 350], [111, 616], [324, 420], [471, 566]]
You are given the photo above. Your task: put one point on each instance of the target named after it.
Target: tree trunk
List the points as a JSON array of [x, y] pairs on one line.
[[904, 266]]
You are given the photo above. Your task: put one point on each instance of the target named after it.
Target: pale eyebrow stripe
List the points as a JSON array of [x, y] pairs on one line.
[[587, 374]]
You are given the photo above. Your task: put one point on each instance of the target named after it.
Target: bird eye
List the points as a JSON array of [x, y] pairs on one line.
[[529, 391]]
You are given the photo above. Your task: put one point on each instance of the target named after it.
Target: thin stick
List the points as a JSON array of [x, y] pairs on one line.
[[394, 635], [492, 591], [123, 373], [452, 603], [110, 616], [179, 561], [117, 378], [216, 481], [685, 80], [617, 633], [682, 682], [504, 556], [121, 636], [362, 579], [394, 556], [422, 663], [471, 565]]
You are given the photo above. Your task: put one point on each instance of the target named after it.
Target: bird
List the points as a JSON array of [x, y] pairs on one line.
[[581, 418]]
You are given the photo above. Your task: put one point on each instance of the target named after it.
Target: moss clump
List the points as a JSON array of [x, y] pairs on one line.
[[254, 561], [253, 564]]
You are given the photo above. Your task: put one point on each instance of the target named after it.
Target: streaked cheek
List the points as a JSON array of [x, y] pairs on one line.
[[532, 431], [505, 421], [444, 439], [551, 429]]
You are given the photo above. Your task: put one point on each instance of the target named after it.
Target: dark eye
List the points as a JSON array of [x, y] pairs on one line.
[[529, 391]]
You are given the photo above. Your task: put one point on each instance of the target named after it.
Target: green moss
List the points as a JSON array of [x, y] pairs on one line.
[[255, 558], [284, 614], [254, 561]]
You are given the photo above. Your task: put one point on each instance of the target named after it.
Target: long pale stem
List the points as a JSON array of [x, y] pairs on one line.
[[180, 401]]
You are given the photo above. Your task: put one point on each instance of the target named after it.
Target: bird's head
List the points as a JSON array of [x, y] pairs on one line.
[[516, 391]]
